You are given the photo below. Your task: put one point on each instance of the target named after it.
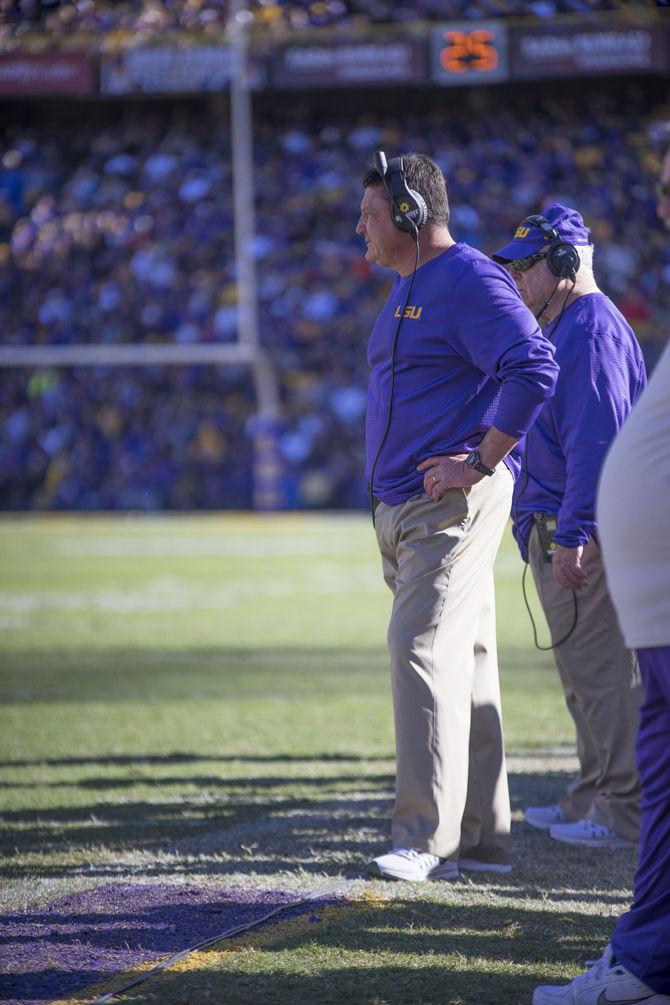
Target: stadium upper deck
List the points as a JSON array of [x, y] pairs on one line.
[[21, 18]]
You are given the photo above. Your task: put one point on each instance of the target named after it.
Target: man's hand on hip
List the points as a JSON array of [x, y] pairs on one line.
[[567, 565], [444, 473]]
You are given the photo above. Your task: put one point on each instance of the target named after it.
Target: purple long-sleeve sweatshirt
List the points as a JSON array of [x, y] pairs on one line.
[[602, 375], [470, 355]]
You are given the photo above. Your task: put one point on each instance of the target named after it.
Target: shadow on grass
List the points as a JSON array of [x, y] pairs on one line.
[[115, 826], [119, 675], [317, 832], [260, 828], [400, 952], [250, 785], [178, 757], [543, 788], [152, 826], [441, 983]]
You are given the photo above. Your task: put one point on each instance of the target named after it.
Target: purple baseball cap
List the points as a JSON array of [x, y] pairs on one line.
[[529, 238]]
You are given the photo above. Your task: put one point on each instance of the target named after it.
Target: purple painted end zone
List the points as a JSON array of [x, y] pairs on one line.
[[55, 950]]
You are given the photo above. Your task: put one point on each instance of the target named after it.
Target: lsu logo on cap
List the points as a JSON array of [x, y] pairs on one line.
[[522, 232]]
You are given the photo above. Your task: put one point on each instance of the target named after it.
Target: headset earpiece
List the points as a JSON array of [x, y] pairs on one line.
[[563, 260], [562, 257], [408, 209]]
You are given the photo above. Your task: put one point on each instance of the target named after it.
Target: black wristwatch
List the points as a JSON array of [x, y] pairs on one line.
[[474, 461]]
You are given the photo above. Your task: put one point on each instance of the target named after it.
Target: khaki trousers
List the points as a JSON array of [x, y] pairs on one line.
[[603, 693], [451, 782]]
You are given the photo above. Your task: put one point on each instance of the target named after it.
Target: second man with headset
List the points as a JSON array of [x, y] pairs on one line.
[[601, 376]]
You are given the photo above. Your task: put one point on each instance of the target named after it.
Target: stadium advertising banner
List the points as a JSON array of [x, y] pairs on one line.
[[166, 69], [462, 54], [563, 51], [391, 61], [46, 73]]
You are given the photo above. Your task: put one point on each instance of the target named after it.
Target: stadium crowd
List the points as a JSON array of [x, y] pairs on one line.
[[118, 228], [92, 17]]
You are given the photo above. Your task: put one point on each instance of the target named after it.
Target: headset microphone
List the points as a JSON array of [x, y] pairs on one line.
[[546, 303]]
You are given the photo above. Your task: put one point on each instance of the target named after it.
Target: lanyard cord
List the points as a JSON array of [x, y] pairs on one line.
[[393, 355], [515, 518], [554, 645]]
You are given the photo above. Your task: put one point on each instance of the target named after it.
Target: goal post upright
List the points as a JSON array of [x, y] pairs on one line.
[[244, 207], [267, 468]]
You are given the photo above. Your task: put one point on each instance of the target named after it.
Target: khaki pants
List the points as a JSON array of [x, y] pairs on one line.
[[602, 691], [451, 782]]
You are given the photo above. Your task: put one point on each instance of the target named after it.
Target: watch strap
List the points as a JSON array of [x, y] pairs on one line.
[[473, 460]]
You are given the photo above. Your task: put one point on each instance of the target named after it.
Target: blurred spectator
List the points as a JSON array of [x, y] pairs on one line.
[[150, 438], [118, 228]]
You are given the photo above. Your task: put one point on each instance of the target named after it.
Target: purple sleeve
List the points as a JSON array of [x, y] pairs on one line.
[[491, 326], [596, 393]]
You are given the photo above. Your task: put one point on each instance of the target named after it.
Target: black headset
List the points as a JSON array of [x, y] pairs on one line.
[[562, 257], [408, 209]]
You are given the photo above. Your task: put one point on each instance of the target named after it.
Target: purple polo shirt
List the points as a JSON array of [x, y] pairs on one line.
[[602, 375], [469, 355]]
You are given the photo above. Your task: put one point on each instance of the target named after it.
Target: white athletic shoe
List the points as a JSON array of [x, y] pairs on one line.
[[606, 983], [544, 817], [477, 865], [410, 863], [589, 833]]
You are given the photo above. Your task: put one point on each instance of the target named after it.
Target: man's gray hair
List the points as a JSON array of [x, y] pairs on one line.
[[585, 252]]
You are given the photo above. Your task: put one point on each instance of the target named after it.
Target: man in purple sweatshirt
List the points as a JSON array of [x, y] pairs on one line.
[[459, 370], [601, 376]]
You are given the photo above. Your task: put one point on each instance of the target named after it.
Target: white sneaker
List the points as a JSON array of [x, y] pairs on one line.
[[544, 817], [589, 833], [477, 865], [410, 863], [606, 983]]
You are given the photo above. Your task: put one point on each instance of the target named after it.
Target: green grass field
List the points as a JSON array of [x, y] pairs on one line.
[[205, 699]]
